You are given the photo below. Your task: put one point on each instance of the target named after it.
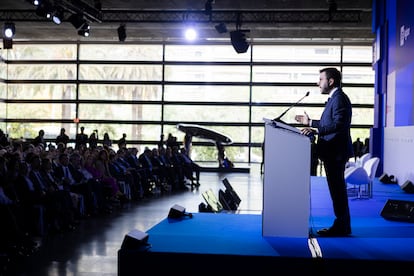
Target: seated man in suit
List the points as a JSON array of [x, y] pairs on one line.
[[190, 168]]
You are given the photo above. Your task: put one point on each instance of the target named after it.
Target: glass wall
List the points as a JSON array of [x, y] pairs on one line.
[[145, 90]]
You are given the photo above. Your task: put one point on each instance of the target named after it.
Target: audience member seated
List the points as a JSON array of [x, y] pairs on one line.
[[71, 181], [190, 168], [59, 209], [169, 168], [102, 168], [47, 173], [32, 201], [149, 177], [174, 155]]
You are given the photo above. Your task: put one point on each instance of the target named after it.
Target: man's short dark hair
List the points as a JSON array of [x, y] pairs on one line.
[[333, 73]]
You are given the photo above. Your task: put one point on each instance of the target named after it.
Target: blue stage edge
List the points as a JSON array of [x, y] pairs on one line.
[[233, 243]]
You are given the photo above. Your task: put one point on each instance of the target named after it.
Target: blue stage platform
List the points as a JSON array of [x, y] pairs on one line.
[[233, 243]]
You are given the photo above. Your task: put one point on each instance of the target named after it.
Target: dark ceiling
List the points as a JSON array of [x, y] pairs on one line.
[[163, 20]]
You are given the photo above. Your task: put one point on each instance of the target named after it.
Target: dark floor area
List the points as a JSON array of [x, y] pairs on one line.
[[91, 248]]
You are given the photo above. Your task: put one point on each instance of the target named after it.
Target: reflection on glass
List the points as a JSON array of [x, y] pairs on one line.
[[296, 53], [223, 73], [120, 72], [125, 92], [121, 112], [42, 91], [42, 72], [357, 54], [286, 74], [35, 111], [206, 93], [137, 52], [42, 52], [204, 53], [201, 113]]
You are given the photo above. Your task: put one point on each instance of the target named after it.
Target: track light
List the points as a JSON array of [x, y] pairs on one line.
[[238, 40], [58, 15], [80, 24], [122, 32], [44, 9], [84, 30], [9, 30], [33, 2], [238, 37], [190, 34], [221, 28]]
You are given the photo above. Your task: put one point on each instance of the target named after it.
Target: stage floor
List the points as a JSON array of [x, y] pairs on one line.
[[376, 243]]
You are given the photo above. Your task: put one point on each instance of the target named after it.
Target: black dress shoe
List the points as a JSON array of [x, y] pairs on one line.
[[333, 232]]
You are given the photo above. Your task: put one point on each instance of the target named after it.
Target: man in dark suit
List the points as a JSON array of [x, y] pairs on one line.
[[334, 146]]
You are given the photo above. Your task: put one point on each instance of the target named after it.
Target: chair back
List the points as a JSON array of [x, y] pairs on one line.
[[364, 158], [371, 166]]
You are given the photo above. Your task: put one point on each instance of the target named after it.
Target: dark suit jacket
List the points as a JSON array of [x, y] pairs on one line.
[[334, 137]]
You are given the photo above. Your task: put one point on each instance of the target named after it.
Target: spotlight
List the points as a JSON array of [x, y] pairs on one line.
[[9, 30], [238, 40], [190, 34], [33, 2], [44, 9], [221, 28], [122, 32], [58, 16], [84, 30], [80, 24]]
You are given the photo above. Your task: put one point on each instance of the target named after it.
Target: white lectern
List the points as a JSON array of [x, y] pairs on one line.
[[286, 189]]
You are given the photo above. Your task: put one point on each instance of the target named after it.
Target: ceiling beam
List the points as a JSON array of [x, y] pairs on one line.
[[226, 16]]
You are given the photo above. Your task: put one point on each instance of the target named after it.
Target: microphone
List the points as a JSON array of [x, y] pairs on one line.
[[277, 119]]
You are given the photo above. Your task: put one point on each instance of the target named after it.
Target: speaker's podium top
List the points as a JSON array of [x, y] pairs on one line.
[[282, 125]]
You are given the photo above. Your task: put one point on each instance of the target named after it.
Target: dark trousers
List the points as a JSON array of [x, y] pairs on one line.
[[334, 170]]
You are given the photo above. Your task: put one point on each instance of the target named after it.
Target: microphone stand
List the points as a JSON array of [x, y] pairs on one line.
[[278, 119]]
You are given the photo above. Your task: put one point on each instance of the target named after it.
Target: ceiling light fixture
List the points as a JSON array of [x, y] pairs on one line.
[[190, 34], [84, 30], [238, 40], [122, 32], [221, 28], [44, 9], [238, 37], [9, 30], [58, 16], [33, 2], [80, 24]]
